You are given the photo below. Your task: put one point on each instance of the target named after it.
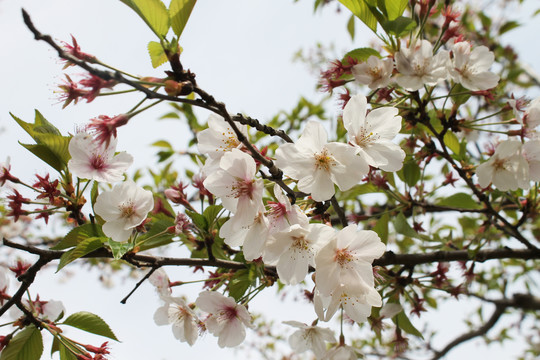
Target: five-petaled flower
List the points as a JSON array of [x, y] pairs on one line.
[[123, 208]]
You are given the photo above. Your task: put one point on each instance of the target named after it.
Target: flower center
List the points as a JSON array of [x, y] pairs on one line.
[[300, 243], [243, 187], [363, 138], [375, 72], [228, 313], [277, 209], [323, 161], [97, 162], [343, 257], [127, 209], [229, 140]]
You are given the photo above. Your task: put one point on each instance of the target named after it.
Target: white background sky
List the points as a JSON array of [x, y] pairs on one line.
[[241, 51]]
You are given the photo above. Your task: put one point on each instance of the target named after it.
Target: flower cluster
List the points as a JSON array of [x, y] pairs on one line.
[[417, 65]]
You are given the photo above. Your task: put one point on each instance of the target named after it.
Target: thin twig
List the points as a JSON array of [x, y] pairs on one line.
[[154, 268]]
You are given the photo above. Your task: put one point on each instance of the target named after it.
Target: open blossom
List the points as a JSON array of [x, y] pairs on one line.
[[97, 161], [236, 185], [348, 255], [471, 68], [417, 66], [308, 337], [251, 236], [123, 208], [531, 119], [318, 165], [293, 250], [341, 352], [50, 310], [507, 169], [216, 140], [372, 135], [227, 319], [183, 319], [281, 214], [160, 280], [375, 72], [531, 152]]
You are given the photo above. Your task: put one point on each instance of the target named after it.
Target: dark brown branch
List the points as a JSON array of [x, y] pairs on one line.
[[261, 127], [339, 211], [499, 310], [154, 268], [389, 258]]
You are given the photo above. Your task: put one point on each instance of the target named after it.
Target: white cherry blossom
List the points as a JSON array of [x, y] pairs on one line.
[[227, 319], [123, 208], [417, 66], [235, 183], [252, 236], [348, 255], [375, 72], [531, 152], [471, 68], [293, 250], [184, 321], [318, 165], [507, 169], [372, 135], [161, 282], [341, 352], [93, 160], [532, 114], [308, 337]]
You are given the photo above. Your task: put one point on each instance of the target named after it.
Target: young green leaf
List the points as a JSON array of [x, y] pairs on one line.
[[381, 228], [362, 11], [452, 142], [26, 345], [154, 13], [157, 54], [119, 249], [90, 323], [65, 354], [77, 235], [83, 248], [350, 27], [179, 11], [360, 54], [402, 321], [395, 8], [460, 200]]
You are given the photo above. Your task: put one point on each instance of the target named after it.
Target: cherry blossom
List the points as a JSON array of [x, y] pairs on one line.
[[532, 115], [507, 169], [318, 165], [417, 66], [372, 135], [95, 161], [375, 72], [216, 140], [227, 319], [281, 214], [293, 250], [471, 68], [123, 208], [252, 236], [236, 185], [308, 337], [531, 152], [49, 310], [341, 352], [160, 280], [348, 255], [183, 319]]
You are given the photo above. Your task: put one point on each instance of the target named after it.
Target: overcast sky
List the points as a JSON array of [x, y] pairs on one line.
[[241, 51]]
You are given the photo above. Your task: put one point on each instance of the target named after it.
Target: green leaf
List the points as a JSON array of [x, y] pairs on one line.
[[395, 8], [151, 239], [83, 248], [65, 354], [465, 94], [362, 11], [77, 235], [402, 227], [452, 142], [350, 27], [119, 249], [361, 54], [42, 152], [55, 345], [381, 228], [402, 321], [239, 284], [157, 54], [40, 125], [94, 193], [507, 26], [460, 200], [400, 26], [26, 345], [154, 13], [410, 173], [163, 144], [179, 11], [211, 213], [90, 323], [198, 220]]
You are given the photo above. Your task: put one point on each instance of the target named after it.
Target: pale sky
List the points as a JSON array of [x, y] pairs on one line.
[[241, 51]]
